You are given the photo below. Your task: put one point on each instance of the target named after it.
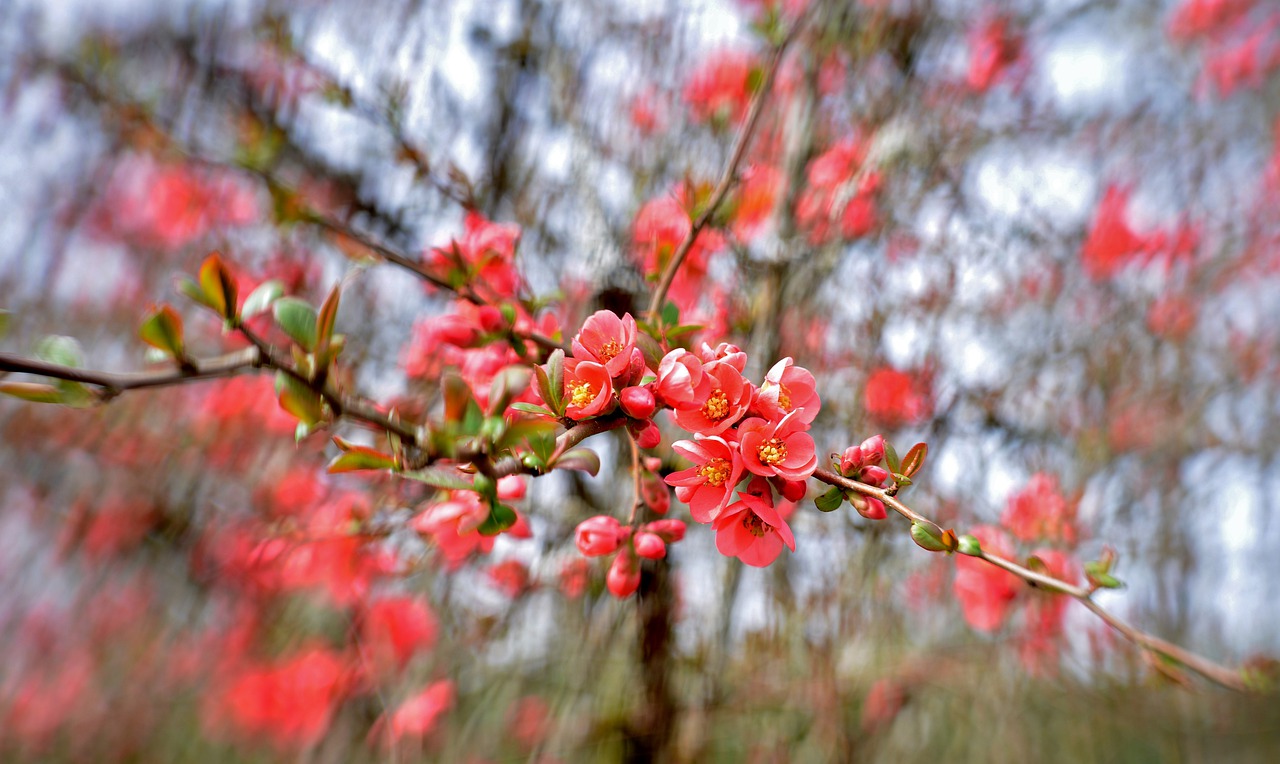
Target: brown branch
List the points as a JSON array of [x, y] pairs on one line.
[[114, 383], [1210, 670], [727, 178]]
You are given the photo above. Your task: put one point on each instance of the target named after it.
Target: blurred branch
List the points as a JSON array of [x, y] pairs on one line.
[[727, 178], [113, 384], [1214, 672]]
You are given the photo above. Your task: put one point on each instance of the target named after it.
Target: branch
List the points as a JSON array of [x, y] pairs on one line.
[[727, 178], [114, 383], [1214, 672]]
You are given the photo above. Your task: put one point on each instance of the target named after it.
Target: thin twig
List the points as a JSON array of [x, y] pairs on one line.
[[114, 383], [727, 178], [1210, 670]]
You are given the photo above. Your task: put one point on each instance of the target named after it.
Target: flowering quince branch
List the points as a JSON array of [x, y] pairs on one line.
[[967, 545], [112, 384], [727, 178]]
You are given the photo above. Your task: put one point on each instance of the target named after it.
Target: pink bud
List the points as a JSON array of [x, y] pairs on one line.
[[874, 510], [874, 475], [649, 437], [511, 487], [638, 402], [649, 546], [792, 490], [655, 493], [670, 531], [851, 461], [873, 449], [599, 535], [623, 577], [491, 319]]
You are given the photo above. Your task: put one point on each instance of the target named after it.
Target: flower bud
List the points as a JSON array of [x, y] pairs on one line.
[[792, 490], [851, 461], [623, 577], [491, 319], [649, 437], [669, 531], [649, 546], [874, 475], [873, 450], [638, 402], [599, 535]]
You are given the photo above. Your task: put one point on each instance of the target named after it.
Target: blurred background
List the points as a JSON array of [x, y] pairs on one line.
[[1040, 236]]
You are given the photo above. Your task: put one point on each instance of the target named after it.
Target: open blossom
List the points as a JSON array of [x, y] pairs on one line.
[[487, 252], [729, 398], [721, 87], [751, 529], [984, 591], [708, 485], [608, 340], [681, 383], [600, 535], [394, 629], [452, 526], [893, 396], [829, 198], [587, 388], [724, 353], [783, 449], [660, 227], [788, 388], [415, 718], [1040, 512]]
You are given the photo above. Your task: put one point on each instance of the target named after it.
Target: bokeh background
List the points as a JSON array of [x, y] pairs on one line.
[[1040, 236]]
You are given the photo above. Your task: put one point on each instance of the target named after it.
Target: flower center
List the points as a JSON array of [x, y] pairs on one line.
[[716, 472], [609, 350], [754, 525], [581, 393], [717, 406], [772, 451], [784, 397]]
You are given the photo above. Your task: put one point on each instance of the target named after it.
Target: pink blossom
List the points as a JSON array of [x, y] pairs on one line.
[[721, 87], [1039, 512], [783, 448], [751, 529], [893, 397], [394, 629], [681, 383], [608, 340], [452, 526], [587, 388], [788, 388], [487, 253], [724, 353], [415, 718], [729, 398], [993, 48], [708, 485], [986, 592]]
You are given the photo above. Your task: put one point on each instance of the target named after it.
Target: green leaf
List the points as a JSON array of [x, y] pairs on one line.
[[583, 459], [299, 400], [450, 480], [298, 320], [891, 458], [501, 517], [542, 383], [969, 545], [530, 408], [162, 329], [192, 290], [361, 458], [34, 392], [1099, 574], [218, 285], [677, 332], [670, 314], [831, 500], [507, 384], [555, 376], [913, 462], [260, 299], [542, 444], [64, 351], [930, 537]]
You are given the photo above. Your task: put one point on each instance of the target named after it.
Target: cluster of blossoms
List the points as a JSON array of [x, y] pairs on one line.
[[741, 433]]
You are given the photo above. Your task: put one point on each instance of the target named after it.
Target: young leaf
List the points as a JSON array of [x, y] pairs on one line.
[[327, 317], [831, 500], [32, 391], [501, 517], [361, 458], [218, 285], [64, 351], [4, 323], [670, 314], [457, 398], [163, 330], [914, 460], [530, 408], [891, 458], [555, 375], [193, 291], [298, 320], [260, 299], [583, 459], [650, 349], [299, 400], [450, 480]]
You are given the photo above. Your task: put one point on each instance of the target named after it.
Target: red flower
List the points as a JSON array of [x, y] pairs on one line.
[[788, 388], [660, 227], [289, 703], [487, 253], [708, 485], [681, 383], [452, 526], [1040, 512], [587, 388], [417, 717], [985, 592], [729, 398], [1201, 17], [395, 628], [829, 174], [778, 449], [721, 88], [1111, 243], [757, 196], [751, 529], [993, 48], [892, 396], [511, 577], [608, 340]]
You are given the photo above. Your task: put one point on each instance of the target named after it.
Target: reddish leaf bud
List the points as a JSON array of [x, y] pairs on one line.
[[649, 546], [638, 402]]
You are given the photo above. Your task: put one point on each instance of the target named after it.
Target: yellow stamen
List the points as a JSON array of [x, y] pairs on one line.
[[717, 406], [610, 350], [716, 472], [784, 397], [581, 394], [772, 451], [754, 525]]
